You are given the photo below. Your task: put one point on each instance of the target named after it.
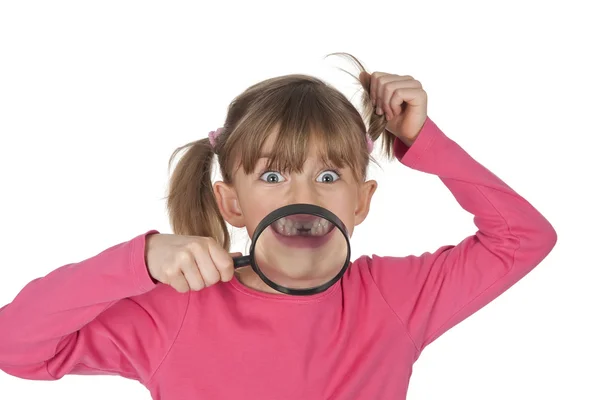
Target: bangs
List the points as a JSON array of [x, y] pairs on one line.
[[295, 118]]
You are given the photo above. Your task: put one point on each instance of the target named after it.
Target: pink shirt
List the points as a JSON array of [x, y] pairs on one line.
[[358, 340]]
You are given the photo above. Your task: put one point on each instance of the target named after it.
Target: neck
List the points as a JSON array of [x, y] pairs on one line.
[[250, 279]]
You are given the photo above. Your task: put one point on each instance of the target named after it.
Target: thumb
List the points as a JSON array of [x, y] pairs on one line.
[[237, 254]]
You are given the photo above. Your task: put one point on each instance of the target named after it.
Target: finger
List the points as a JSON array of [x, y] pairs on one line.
[[205, 264], [393, 106], [413, 97], [222, 261], [396, 102], [179, 283], [373, 87], [192, 274], [186, 261], [388, 85], [384, 93], [233, 256]]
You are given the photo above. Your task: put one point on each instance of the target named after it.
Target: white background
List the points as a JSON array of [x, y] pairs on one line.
[[94, 97]]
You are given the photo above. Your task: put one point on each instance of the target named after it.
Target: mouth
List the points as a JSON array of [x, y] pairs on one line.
[[302, 231], [302, 226]]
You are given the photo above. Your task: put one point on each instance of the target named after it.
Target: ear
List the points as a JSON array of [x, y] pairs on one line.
[[228, 203], [365, 194]]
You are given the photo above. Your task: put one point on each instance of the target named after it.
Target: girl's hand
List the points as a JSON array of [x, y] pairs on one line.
[[187, 262], [402, 100]]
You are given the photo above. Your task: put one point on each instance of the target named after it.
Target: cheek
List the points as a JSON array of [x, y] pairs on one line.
[[344, 205], [254, 209], [348, 220]]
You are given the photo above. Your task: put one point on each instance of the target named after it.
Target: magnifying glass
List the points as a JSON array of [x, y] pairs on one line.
[[299, 249]]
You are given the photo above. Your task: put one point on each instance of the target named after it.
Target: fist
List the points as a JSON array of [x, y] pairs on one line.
[[187, 262], [402, 100]]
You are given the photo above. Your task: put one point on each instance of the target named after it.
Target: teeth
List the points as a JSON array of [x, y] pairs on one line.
[[317, 227], [290, 228]]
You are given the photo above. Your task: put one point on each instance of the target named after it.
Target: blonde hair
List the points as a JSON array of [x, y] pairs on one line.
[[300, 108]]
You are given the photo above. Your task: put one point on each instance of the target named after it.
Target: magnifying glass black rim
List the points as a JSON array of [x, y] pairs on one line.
[[299, 208]]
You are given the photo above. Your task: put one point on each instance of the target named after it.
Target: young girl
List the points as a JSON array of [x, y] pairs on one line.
[[170, 312]]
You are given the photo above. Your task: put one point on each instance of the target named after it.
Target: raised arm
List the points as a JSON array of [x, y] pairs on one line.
[[433, 292]]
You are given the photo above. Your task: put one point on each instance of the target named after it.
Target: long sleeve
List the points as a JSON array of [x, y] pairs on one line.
[[434, 291], [93, 317]]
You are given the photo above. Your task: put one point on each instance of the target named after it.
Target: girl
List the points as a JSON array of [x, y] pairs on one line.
[[169, 311]]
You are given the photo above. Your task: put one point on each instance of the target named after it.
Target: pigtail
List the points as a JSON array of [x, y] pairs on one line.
[[191, 202], [375, 123]]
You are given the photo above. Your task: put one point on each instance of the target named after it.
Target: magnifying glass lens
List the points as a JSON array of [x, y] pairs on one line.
[[301, 251]]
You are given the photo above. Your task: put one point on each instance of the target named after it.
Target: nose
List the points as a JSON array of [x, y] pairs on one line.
[[304, 192]]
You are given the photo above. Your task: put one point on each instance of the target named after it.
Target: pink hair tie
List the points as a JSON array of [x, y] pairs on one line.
[[369, 143], [213, 135]]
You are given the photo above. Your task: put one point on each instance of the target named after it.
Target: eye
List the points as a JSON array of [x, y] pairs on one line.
[[328, 176], [272, 177]]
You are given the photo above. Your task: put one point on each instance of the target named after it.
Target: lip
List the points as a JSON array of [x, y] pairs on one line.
[[308, 242]]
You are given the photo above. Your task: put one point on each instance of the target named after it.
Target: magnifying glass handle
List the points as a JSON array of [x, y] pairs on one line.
[[241, 261]]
